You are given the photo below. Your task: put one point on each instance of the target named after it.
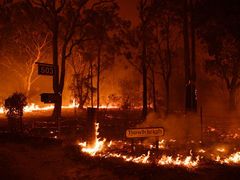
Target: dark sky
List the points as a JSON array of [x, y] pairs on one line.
[[128, 10]]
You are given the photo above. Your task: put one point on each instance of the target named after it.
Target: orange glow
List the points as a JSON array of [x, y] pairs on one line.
[[98, 149], [220, 149], [201, 151], [33, 107], [187, 162], [98, 144], [232, 159]]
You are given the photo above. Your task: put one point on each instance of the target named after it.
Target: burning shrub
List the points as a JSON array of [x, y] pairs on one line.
[[14, 106]]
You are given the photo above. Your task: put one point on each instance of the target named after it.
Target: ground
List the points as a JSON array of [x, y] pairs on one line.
[[27, 157], [39, 160]]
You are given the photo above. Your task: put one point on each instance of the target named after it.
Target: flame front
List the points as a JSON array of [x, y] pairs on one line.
[[33, 107], [232, 159], [98, 149], [97, 146]]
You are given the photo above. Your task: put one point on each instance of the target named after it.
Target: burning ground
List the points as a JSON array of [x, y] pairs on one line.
[[49, 160], [112, 156]]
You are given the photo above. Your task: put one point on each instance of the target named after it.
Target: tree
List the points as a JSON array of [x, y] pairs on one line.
[[165, 34], [27, 41], [5, 14], [105, 24], [138, 40], [226, 66], [14, 106], [222, 40], [165, 47], [67, 21], [81, 79]]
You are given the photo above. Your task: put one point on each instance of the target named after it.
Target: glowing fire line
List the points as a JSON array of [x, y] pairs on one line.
[[98, 149], [33, 107]]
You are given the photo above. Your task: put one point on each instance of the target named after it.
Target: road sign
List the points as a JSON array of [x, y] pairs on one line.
[[48, 97], [145, 132], [46, 69]]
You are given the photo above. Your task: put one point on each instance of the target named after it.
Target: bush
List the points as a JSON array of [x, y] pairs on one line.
[[14, 106]]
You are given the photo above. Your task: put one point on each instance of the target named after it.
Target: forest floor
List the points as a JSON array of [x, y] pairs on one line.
[[42, 158], [41, 162]]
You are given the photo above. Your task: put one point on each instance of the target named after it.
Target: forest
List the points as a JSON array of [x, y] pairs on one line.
[[175, 56]]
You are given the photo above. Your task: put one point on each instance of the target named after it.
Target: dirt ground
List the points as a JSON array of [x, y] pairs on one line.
[[38, 160], [21, 161], [42, 160]]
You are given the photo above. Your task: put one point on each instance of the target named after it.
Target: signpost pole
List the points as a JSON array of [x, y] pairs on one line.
[[50, 70], [157, 144], [201, 124], [132, 146]]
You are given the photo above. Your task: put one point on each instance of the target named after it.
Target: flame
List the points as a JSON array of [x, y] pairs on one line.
[[220, 149], [33, 107], [98, 149], [97, 146], [201, 151], [233, 158], [1, 110], [187, 162]]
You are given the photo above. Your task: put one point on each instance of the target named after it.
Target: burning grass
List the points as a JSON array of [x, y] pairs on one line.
[[161, 157]]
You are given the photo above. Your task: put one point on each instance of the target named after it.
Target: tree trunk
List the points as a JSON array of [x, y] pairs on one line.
[[57, 110], [232, 99], [194, 92], [98, 75], [57, 106], [186, 59], [144, 70], [154, 92], [91, 76], [167, 95], [169, 70]]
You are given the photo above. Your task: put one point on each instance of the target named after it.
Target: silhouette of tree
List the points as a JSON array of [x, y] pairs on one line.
[[14, 106], [223, 40], [27, 41]]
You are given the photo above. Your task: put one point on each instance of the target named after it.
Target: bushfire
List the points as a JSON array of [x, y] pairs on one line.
[[102, 148], [33, 107], [194, 158]]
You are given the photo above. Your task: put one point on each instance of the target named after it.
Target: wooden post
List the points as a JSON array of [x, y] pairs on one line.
[[132, 146], [157, 144], [91, 121], [201, 124]]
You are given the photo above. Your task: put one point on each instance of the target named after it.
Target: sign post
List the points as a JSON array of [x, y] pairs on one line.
[[145, 132], [49, 70], [48, 97], [46, 69]]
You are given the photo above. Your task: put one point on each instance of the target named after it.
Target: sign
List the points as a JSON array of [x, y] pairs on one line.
[[144, 132], [46, 69], [48, 97]]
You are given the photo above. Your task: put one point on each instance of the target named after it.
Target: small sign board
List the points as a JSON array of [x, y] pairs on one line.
[[145, 132], [48, 97], [46, 69]]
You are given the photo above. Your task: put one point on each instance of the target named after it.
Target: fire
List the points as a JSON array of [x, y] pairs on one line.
[[97, 146], [33, 107], [232, 159], [187, 162], [98, 149], [201, 151], [1, 110], [220, 149]]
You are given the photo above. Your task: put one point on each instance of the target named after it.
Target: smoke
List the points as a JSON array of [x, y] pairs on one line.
[[177, 127]]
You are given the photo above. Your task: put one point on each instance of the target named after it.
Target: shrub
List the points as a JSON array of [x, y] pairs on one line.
[[14, 106]]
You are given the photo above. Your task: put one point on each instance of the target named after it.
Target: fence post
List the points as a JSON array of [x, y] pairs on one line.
[[201, 118]]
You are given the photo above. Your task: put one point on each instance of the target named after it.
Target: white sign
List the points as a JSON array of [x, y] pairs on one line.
[[145, 132]]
